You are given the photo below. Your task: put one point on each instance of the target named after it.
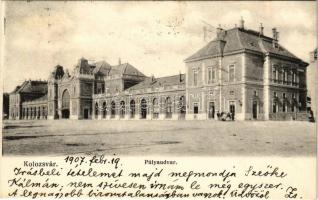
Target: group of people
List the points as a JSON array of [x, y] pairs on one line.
[[225, 116]]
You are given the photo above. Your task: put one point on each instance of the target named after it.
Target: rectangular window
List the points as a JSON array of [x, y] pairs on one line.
[[195, 77], [211, 75], [284, 107], [274, 76], [280, 76], [274, 107], [294, 77], [231, 73], [293, 108]]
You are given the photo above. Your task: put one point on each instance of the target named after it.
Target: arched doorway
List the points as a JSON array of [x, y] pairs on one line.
[[132, 108], [96, 110], [182, 107], [104, 110], [122, 109], [168, 108], [38, 112], [66, 105], [113, 110], [143, 109]]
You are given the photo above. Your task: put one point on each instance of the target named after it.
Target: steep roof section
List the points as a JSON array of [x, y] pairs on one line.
[[150, 82], [42, 98], [33, 87], [240, 39], [125, 68], [101, 67]]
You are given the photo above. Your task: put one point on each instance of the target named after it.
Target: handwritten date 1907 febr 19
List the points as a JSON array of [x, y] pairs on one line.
[[95, 160]]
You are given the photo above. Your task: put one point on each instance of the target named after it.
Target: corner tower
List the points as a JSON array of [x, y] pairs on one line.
[[55, 76]]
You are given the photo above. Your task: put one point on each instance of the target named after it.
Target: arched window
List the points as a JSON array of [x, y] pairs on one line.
[[44, 112], [155, 107], [39, 112], [143, 109], [34, 112], [96, 110]]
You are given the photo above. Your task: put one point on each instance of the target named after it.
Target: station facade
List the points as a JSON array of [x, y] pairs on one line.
[[241, 71]]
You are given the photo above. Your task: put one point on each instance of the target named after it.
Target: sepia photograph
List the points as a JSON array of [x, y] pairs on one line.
[[170, 78]]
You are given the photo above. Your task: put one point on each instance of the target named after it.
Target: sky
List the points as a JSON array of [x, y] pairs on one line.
[[155, 37]]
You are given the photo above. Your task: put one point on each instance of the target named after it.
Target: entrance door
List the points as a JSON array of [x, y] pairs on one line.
[[143, 107], [65, 113], [65, 105], [232, 109], [211, 110], [254, 109], [86, 113]]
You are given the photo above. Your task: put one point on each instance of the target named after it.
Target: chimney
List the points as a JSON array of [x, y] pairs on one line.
[[180, 76], [261, 29], [274, 33], [119, 61], [221, 42], [221, 46], [275, 38], [220, 33], [242, 23]]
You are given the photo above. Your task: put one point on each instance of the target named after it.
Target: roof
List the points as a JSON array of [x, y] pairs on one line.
[[150, 82], [102, 67], [241, 39], [125, 68], [33, 87]]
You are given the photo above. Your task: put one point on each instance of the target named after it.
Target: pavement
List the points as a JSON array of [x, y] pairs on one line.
[[169, 138]]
